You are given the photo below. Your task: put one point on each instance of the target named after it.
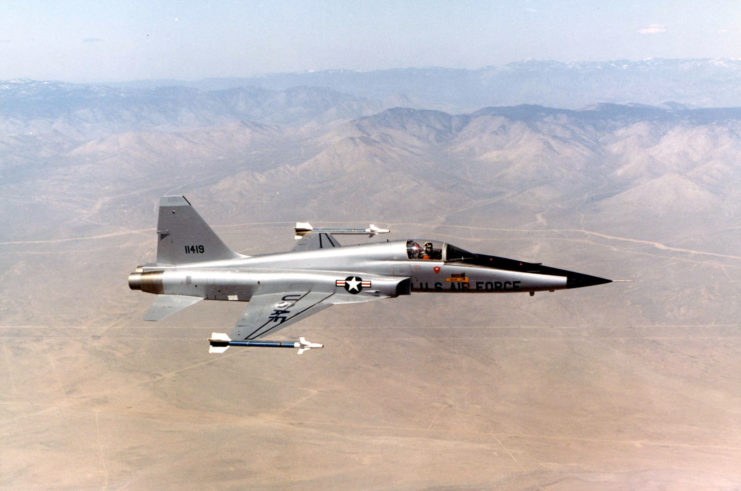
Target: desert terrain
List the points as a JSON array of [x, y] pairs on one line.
[[634, 384]]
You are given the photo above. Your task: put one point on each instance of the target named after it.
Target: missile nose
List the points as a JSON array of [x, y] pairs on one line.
[[578, 280]]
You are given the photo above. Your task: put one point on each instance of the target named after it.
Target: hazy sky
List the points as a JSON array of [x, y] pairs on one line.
[[103, 40]]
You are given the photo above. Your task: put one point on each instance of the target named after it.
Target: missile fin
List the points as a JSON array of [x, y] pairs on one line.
[[218, 342]]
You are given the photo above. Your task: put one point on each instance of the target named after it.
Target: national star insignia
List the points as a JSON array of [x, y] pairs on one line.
[[353, 284]]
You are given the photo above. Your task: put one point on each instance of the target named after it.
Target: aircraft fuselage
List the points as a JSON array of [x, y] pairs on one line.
[[194, 264], [377, 265]]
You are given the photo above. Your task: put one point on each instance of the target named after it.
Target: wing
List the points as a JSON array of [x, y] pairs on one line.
[[268, 312], [313, 241]]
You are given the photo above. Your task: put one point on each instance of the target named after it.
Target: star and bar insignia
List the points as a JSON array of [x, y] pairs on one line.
[[353, 284]]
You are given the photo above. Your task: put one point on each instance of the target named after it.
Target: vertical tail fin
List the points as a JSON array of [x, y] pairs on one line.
[[184, 237]]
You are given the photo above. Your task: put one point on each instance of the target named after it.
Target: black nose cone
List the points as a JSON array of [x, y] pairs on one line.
[[578, 280]]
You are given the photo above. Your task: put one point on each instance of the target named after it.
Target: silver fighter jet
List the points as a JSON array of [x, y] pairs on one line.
[[193, 264]]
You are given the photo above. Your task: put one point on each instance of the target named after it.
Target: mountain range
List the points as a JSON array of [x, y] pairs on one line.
[[694, 82], [658, 174], [322, 97]]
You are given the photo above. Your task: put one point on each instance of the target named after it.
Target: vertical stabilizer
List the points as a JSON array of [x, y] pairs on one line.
[[184, 237]]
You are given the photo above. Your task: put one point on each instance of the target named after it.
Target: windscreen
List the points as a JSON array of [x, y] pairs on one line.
[[453, 253]]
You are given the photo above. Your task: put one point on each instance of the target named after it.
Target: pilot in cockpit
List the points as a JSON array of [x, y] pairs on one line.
[[415, 251], [427, 254]]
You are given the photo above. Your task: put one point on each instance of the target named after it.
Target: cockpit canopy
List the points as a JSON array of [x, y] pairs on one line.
[[435, 250]]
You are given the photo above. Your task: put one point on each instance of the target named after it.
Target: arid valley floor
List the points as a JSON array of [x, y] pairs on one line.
[[423, 391]]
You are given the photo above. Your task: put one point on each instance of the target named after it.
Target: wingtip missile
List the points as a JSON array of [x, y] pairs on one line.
[[304, 228], [301, 229], [304, 345], [373, 230], [219, 342]]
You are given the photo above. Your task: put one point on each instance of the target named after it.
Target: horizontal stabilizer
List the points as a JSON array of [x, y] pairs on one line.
[[166, 305]]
